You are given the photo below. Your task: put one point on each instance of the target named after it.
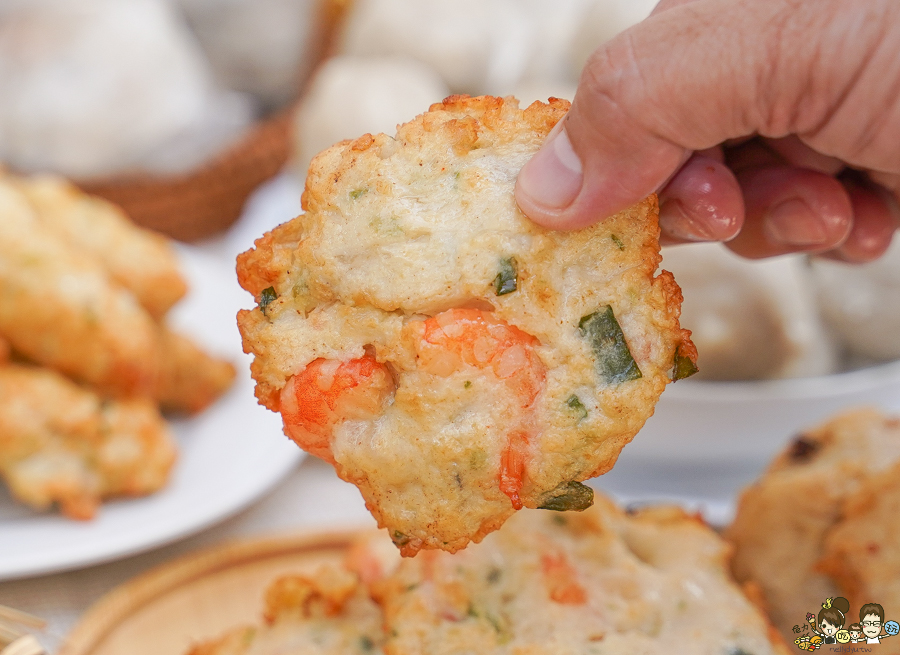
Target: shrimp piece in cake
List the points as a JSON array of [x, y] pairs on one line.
[[453, 360], [328, 392]]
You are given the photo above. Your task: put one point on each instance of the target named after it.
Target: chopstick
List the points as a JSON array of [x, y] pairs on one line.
[[13, 639], [9, 633], [26, 645], [22, 618]]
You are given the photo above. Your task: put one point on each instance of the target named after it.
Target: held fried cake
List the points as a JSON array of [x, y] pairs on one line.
[[452, 359]]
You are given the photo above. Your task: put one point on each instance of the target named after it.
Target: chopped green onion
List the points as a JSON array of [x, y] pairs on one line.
[[356, 194], [366, 644], [505, 282], [684, 366], [267, 296], [399, 538], [577, 407], [467, 384], [616, 240], [568, 497], [612, 358]]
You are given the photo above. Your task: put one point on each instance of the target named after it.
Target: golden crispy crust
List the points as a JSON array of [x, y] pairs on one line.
[[326, 613], [783, 519], [141, 261], [401, 228], [60, 308], [60, 443], [190, 380], [860, 551], [603, 581]]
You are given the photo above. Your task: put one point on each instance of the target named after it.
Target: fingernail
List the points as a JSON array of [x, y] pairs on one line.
[[793, 223], [675, 222], [552, 178]]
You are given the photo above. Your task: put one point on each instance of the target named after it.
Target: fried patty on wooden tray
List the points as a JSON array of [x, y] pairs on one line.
[[452, 359], [604, 582]]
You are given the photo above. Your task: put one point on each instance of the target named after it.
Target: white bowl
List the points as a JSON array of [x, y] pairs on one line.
[[707, 440]]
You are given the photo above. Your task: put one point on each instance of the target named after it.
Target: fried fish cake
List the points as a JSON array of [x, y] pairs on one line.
[[783, 519], [139, 260], [59, 307], [190, 379], [651, 581], [60, 443], [605, 582], [452, 359], [862, 551], [326, 613]]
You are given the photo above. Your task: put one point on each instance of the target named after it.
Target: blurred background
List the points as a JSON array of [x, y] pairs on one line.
[[200, 118]]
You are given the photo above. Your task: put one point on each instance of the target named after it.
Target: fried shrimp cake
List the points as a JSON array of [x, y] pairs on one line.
[[60, 443], [783, 520], [604, 582], [651, 581], [326, 613], [452, 359], [139, 260], [860, 551], [60, 307]]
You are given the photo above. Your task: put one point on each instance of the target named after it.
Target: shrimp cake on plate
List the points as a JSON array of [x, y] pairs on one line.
[[452, 359]]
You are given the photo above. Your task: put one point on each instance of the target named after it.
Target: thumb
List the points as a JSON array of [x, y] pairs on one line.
[[686, 79]]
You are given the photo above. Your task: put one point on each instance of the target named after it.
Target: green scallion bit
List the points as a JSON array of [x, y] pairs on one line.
[[267, 296], [505, 282], [684, 366], [612, 358], [568, 497]]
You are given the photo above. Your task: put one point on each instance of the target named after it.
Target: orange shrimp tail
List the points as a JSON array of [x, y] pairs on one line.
[[512, 467], [328, 392]]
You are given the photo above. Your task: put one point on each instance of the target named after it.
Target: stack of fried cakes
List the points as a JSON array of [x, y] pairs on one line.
[[86, 360]]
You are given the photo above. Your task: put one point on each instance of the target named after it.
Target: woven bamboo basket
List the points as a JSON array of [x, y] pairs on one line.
[[207, 200]]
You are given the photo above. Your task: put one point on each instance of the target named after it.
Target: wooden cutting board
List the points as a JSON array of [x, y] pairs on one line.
[[198, 597]]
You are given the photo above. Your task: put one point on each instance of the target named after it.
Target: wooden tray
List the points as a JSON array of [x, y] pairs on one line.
[[168, 609]]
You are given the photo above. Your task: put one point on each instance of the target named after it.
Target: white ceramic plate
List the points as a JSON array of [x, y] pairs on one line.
[[229, 455], [708, 440]]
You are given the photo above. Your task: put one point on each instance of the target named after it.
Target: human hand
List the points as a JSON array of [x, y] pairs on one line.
[[771, 124]]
